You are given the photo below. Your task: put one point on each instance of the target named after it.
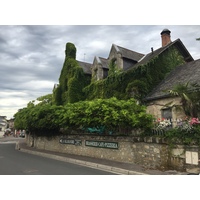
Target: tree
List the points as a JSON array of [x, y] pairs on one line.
[[190, 98], [114, 115], [46, 99], [118, 116]]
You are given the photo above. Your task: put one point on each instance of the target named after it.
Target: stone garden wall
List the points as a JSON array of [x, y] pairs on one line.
[[150, 152]]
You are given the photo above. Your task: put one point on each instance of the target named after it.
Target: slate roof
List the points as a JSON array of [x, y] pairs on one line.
[[86, 67], [177, 43], [126, 53], [181, 74], [102, 61]]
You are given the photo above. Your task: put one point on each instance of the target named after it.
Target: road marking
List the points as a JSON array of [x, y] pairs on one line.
[[8, 142]]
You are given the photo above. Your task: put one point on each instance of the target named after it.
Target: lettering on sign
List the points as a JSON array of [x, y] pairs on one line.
[[102, 144], [70, 141]]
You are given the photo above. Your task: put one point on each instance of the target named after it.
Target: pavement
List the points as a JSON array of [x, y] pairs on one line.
[[102, 164]]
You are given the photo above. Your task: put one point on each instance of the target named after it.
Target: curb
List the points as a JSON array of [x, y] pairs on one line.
[[80, 162]]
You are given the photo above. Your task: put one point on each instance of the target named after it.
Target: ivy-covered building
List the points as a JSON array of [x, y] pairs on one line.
[[124, 59], [124, 74], [119, 59]]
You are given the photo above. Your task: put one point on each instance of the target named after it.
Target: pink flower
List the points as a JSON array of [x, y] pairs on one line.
[[194, 121]]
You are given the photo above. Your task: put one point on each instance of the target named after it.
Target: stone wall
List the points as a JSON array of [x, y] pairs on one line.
[[151, 155], [150, 152], [154, 107], [124, 152]]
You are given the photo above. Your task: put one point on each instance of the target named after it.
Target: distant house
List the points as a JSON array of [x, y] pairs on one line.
[[3, 123], [11, 124]]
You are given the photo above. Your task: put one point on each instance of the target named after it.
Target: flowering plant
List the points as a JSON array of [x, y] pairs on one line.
[[162, 123], [187, 124], [194, 121]]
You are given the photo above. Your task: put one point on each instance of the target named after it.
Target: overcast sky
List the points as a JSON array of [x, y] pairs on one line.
[[31, 57]]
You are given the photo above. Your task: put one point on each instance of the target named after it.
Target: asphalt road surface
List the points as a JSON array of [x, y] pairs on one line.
[[14, 162]]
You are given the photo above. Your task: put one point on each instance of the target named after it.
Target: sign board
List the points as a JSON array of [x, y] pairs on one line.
[[191, 157], [102, 144], [70, 141]]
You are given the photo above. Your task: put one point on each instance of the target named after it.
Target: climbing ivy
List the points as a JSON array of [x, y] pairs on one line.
[[110, 102], [72, 79], [113, 68], [136, 82]]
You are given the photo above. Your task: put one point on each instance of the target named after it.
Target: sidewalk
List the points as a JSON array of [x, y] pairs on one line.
[[107, 165]]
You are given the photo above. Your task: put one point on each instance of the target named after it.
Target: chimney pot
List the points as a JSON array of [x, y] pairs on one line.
[[166, 37]]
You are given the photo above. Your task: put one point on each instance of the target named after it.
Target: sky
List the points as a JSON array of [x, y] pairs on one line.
[[32, 42], [32, 56]]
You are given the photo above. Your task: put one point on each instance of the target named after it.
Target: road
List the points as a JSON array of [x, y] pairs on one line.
[[14, 162]]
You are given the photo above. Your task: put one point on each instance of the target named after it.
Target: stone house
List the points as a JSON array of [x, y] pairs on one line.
[[126, 59], [160, 103], [99, 68], [123, 58]]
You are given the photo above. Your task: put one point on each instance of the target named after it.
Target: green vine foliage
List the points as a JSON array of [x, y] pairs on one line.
[[72, 79], [118, 116], [78, 104], [70, 51], [38, 119], [136, 82], [113, 69], [183, 136]]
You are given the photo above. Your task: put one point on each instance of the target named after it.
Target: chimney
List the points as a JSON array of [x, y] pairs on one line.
[[166, 37]]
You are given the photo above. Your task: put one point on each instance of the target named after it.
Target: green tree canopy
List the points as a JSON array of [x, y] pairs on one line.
[[115, 115]]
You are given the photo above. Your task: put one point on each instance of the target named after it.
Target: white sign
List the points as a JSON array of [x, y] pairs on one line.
[[191, 157]]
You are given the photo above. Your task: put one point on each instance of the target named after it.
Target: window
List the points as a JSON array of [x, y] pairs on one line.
[[166, 113]]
